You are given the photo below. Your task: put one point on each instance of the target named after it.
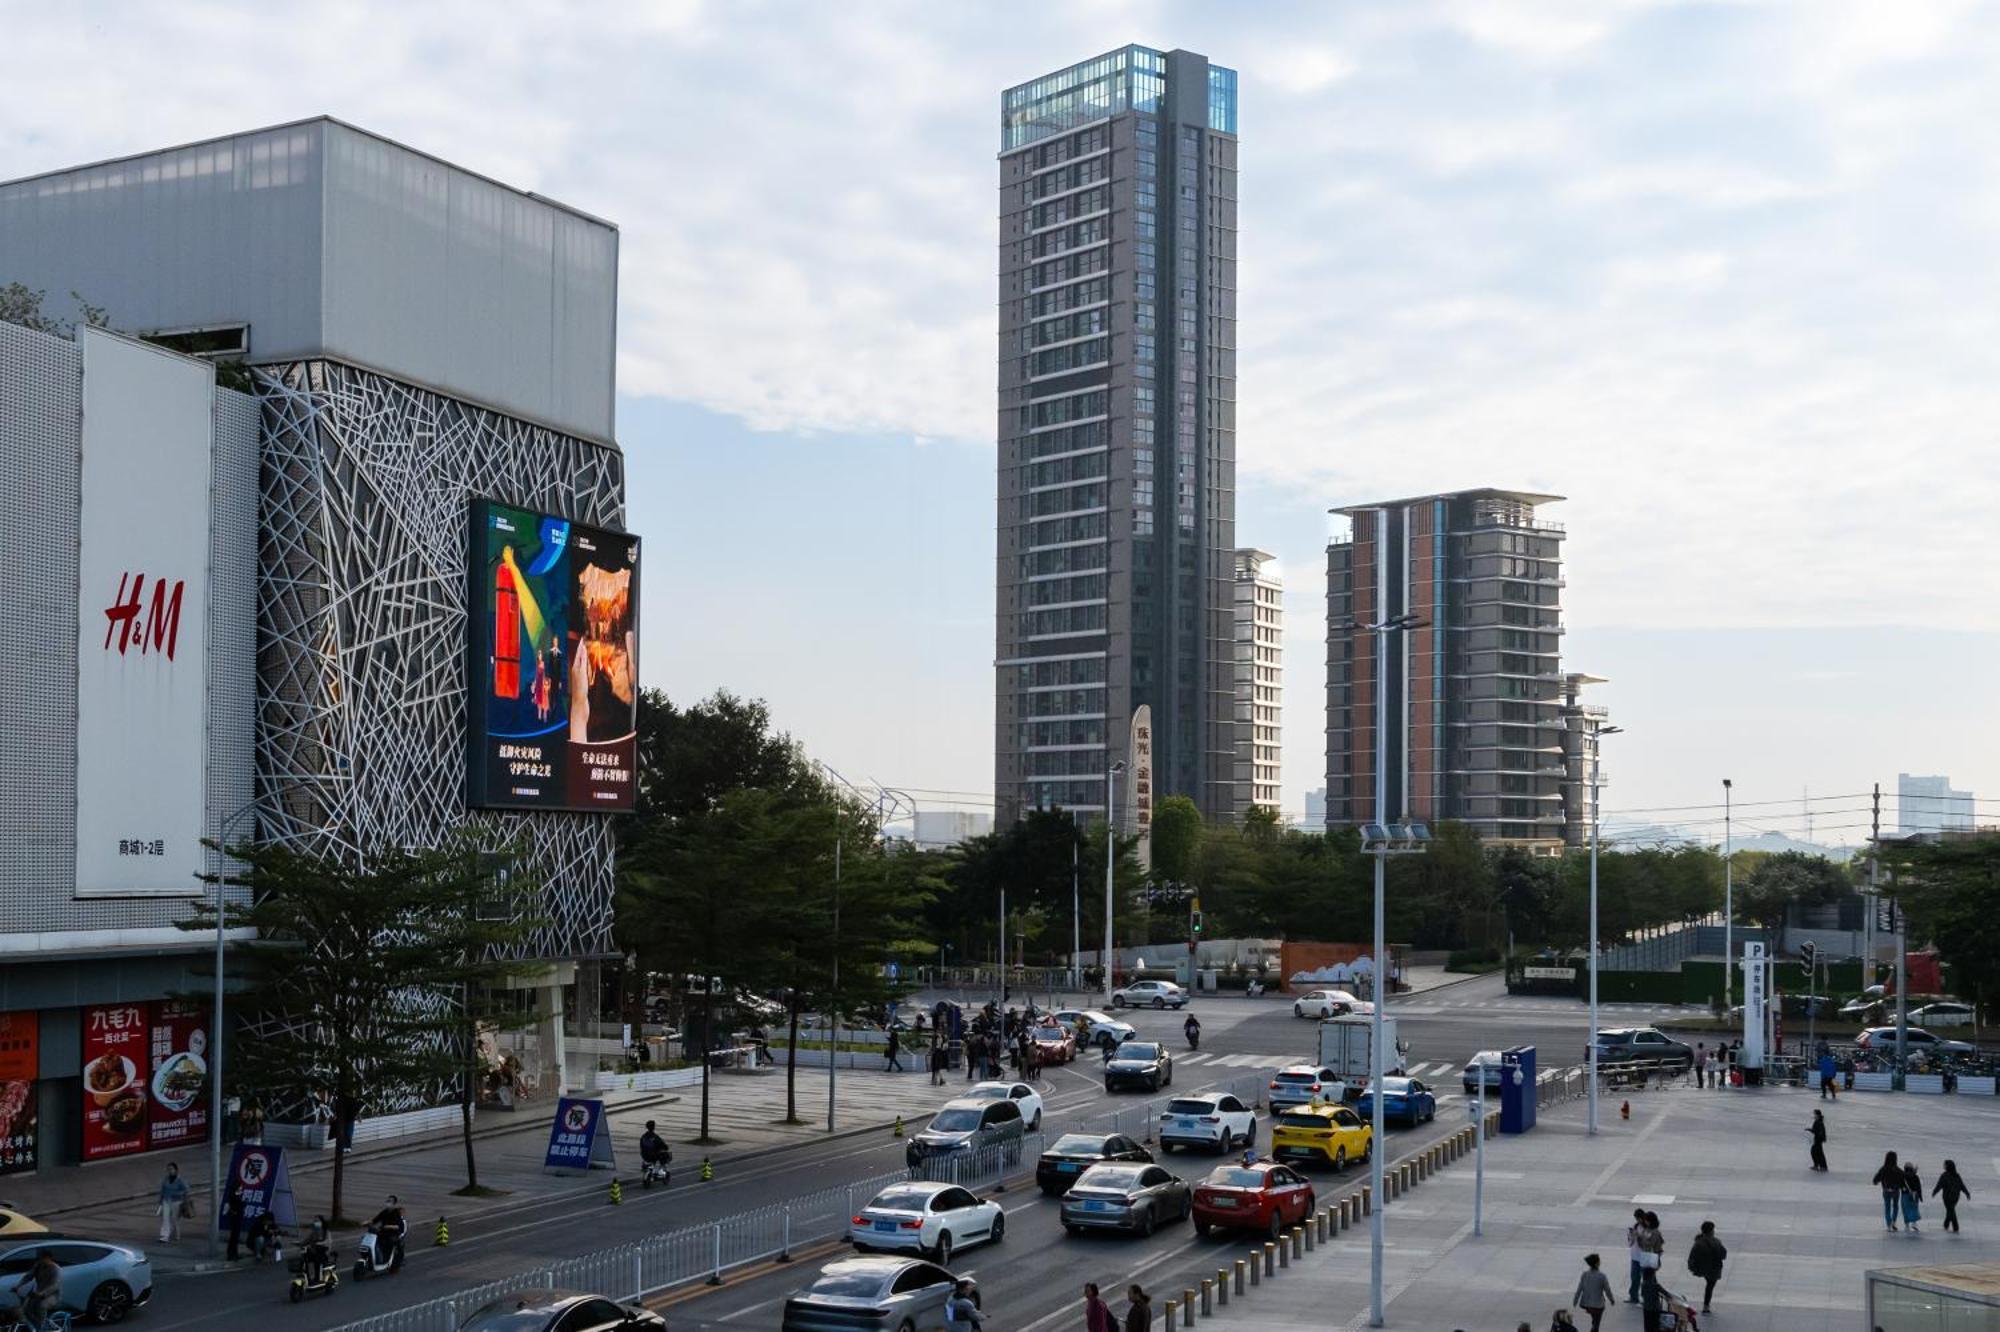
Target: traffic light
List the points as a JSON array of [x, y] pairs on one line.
[[1808, 955], [1194, 917]]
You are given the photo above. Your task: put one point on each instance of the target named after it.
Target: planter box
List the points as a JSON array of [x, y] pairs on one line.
[[1873, 1081], [379, 1128], [1976, 1086], [1928, 1084], [658, 1080]]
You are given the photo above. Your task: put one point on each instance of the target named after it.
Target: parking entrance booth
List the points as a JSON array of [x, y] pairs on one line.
[[1517, 1089]]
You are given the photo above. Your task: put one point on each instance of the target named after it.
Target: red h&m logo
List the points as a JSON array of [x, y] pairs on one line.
[[158, 628]]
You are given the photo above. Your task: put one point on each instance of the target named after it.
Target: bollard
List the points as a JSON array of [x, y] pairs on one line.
[[1367, 1199], [1222, 1285], [1207, 1307], [1306, 1229], [1298, 1241], [1256, 1269], [1342, 1218], [1270, 1258], [1319, 1222], [1170, 1316], [1239, 1276], [1284, 1252], [1187, 1307]]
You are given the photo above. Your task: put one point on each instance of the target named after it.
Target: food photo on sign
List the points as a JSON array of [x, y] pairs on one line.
[[116, 1071], [20, 1056], [179, 1074]]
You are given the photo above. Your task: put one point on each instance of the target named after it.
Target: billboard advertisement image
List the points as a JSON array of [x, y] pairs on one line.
[[20, 1061], [116, 1071], [178, 1066], [553, 662]]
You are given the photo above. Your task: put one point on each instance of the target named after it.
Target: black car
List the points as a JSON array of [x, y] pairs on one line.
[[1139, 1064], [969, 1126], [1135, 1198], [1074, 1153], [1627, 1044], [561, 1311]]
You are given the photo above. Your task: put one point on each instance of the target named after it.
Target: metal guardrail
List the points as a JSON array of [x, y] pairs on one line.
[[705, 1252]]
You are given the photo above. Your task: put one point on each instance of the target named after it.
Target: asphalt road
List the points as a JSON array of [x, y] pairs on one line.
[[1033, 1279]]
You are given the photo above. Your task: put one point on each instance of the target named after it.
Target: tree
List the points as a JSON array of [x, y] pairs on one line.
[[1786, 878], [338, 1016], [22, 305], [1950, 892], [1528, 888], [1177, 832]]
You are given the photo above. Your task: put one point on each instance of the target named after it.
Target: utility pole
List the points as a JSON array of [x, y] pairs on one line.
[[1728, 900], [1110, 860], [1075, 910]]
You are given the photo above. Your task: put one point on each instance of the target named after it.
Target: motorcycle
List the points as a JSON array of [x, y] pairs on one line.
[[1194, 1038], [379, 1253], [309, 1278]]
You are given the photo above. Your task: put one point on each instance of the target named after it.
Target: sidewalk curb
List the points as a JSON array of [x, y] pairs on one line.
[[320, 1162]]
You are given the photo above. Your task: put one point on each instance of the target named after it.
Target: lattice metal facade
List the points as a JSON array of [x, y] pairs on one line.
[[362, 622]]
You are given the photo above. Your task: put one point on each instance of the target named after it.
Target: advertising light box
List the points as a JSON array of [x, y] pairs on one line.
[[553, 610]]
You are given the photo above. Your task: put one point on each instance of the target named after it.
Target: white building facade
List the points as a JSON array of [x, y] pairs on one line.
[[1260, 680]]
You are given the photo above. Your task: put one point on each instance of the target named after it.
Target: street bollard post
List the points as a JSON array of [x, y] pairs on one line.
[[1256, 1269], [1284, 1252], [1270, 1258], [1222, 1285], [1207, 1307], [1170, 1316], [1306, 1228], [1187, 1306], [715, 1275], [1239, 1276], [1298, 1241], [785, 1249], [1319, 1222], [1367, 1199]]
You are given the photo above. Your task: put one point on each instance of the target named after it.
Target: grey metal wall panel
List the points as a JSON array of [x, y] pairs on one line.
[[216, 233], [450, 280], [41, 387]]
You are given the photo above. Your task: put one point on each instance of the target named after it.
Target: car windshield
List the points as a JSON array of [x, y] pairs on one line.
[[987, 1094], [1491, 1058], [903, 1200], [1096, 1016], [1302, 1121], [1079, 1143], [848, 1285], [1138, 1050], [1110, 1177], [1050, 1034], [1394, 1086], [955, 1121], [1182, 1105], [1235, 1177]]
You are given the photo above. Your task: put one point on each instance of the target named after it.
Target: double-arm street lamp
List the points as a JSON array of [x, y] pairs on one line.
[[1382, 839], [1596, 764], [1110, 860]]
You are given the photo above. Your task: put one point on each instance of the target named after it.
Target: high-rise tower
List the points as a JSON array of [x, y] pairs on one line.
[[1117, 430]]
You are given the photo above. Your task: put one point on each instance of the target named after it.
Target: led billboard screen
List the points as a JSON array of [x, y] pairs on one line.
[[554, 690]]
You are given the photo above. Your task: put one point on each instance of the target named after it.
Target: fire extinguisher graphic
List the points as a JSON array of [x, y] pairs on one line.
[[506, 633]]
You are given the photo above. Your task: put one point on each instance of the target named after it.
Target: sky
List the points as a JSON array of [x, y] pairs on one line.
[[1723, 274]]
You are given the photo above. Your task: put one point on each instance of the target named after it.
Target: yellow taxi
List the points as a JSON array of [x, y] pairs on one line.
[[1321, 1134]]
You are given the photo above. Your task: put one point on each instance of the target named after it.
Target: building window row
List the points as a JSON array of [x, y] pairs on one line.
[[1084, 437], [1085, 497], [1067, 763], [1070, 176], [1062, 591], [1065, 620], [1070, 267], [1075, 236], [1057, 300], [1062, 471], [1060, 411], [1070, 147], [1066, 328], [1068, 673], [1083, 527], [1055, 734], [1075, 356], [1084, 557]]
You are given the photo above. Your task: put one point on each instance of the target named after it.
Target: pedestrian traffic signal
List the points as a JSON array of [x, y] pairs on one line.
[[1195, 922], [1808, 955]]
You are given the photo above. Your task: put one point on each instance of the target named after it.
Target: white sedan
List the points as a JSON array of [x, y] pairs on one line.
[[1945, 1013], [932, 1219], [1099, 1029], [1215, 1120], [1149, 993], [1326, 1004], [1020, 1093]]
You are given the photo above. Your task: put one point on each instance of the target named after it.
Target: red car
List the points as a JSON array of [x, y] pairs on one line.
[[1263, 1196], [1057, 1045]]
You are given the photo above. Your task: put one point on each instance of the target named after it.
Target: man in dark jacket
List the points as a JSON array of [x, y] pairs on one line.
[[1951, 1185], [1705, 1259]]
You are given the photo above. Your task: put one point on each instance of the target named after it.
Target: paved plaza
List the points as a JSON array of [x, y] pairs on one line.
[[1799, 1242]]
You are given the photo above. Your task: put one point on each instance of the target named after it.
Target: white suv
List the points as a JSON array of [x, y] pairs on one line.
[[1215, 1120], [1159, 994]]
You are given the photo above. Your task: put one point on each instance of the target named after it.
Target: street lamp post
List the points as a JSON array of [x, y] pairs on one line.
[[216, 1053], [1728, 902], [1075, 911], [1377, 840], [1596, 761], [1110, 859]]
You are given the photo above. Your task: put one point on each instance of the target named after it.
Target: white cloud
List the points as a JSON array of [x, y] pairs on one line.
[[1722, 274]]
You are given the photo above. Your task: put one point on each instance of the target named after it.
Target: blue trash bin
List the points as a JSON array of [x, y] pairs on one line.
[[1517, 1089]]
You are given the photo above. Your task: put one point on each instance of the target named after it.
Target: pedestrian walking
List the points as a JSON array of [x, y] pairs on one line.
[[1593, 1290], [1635, 1253], [1951, 1187], [1818, 1132], [1705, 1258], [173, 1198], [1913, 1197], [1139, 1312], [1700, 1064], [1889, 1178], [232, 1216], [1097, 1315], [1828, 1074], [895, 1047], [937, 1065]]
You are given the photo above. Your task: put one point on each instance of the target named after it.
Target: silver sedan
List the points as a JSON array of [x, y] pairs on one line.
[[1118, 1196]]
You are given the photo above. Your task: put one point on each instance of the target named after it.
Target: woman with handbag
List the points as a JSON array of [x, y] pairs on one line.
[[174, 1204]]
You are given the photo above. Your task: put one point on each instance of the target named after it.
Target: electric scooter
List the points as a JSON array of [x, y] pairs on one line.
[[310, 1278], [379, 1253], [656, 1172]]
